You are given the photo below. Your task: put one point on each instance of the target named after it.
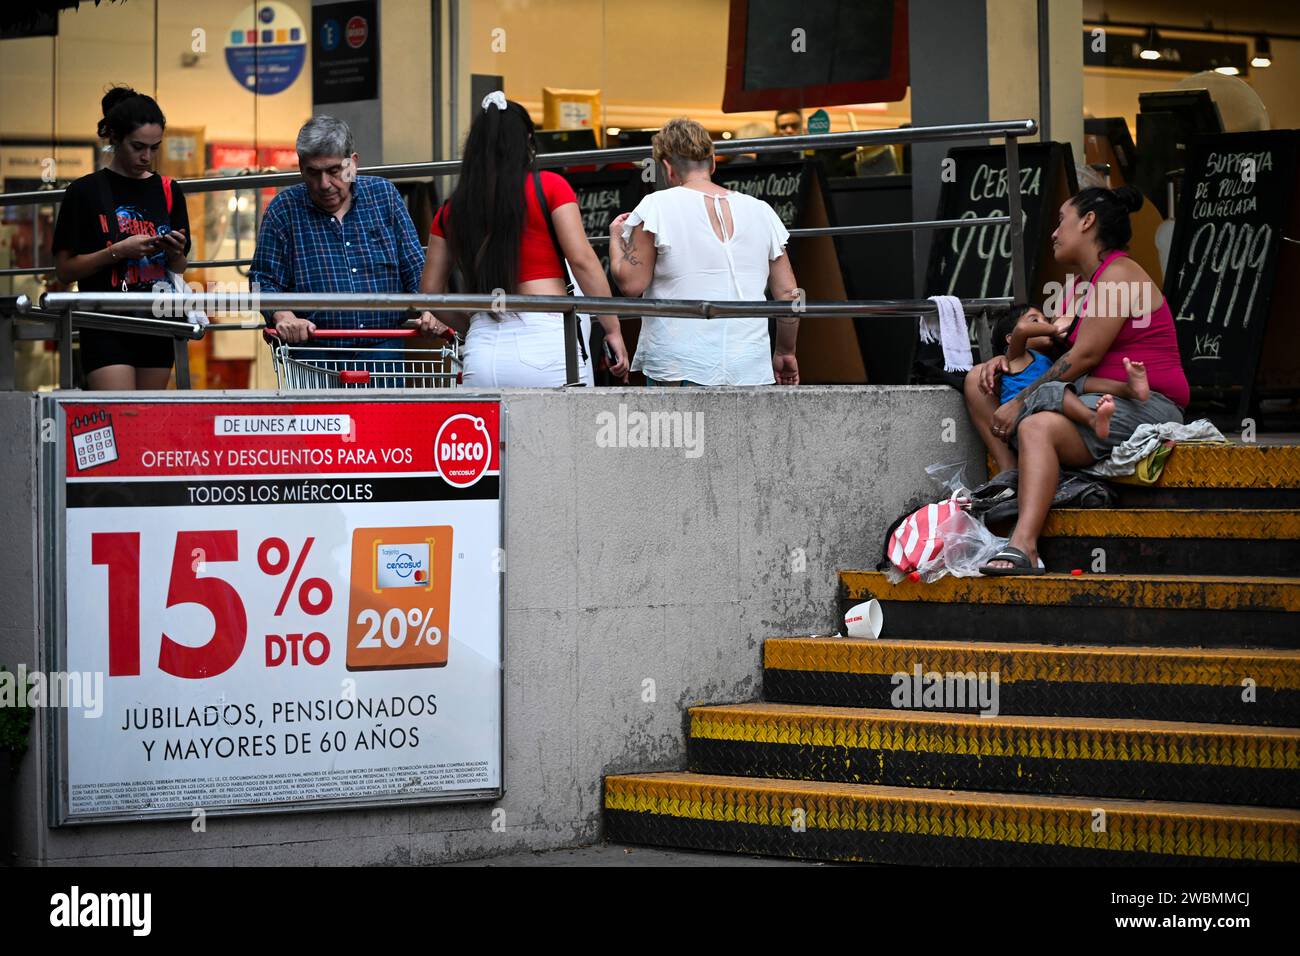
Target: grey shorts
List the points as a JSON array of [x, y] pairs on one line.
[[1128, 415]]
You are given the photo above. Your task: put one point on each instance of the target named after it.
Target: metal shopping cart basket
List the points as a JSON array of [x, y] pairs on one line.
[[313, 366]]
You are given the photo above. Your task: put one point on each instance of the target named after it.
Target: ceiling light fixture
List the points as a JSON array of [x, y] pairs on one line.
[[1263, 55], [1151, 48]]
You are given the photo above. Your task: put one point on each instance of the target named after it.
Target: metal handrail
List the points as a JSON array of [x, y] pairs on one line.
[[958, 132], [861, 230], [216, 303], [60, 313]]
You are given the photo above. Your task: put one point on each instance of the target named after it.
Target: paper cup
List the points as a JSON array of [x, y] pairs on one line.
[[864, 620]]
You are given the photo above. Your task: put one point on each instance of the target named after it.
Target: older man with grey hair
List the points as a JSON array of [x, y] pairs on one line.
[[336, 232]]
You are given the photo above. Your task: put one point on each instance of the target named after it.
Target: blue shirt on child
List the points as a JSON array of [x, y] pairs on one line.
[[1012, 385]]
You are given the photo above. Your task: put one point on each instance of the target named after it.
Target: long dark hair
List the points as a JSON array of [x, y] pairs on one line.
[[1112, 208], [125, 111], [487, 207]]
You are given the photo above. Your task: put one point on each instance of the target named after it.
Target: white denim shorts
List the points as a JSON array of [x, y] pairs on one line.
[[520, 350]]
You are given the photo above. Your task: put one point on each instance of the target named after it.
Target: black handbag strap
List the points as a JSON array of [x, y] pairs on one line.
[[550, 227], [555, 241], [108, 210]]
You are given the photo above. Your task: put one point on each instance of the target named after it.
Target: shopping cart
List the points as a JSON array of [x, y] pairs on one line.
[[313, 366]]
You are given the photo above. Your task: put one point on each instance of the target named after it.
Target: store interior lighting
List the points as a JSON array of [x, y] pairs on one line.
[[1263, 54], [1151, 48]]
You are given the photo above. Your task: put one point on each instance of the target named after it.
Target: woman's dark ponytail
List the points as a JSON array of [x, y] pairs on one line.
[[486, 214], [1111, 208], [125, 111]]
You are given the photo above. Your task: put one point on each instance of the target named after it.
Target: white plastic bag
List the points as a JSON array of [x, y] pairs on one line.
[[178, 284], [967, 544], [951, 477]]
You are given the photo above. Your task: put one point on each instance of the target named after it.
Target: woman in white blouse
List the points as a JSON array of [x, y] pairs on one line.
[[696, 240]]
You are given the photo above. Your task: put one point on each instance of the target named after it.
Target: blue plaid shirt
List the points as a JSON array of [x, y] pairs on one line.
[[374, 249]]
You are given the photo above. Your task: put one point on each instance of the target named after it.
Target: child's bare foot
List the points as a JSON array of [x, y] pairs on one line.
[[1137, 380], [1101, 421]]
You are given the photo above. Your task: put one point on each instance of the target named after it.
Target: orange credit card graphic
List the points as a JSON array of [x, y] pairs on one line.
[[401, 597]]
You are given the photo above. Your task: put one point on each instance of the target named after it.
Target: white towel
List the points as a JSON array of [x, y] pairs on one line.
[[949, 327]]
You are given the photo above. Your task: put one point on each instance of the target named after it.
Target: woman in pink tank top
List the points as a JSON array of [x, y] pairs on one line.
[[1117, 319]]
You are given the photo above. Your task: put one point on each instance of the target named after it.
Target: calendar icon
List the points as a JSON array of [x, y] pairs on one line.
[[93, 441]]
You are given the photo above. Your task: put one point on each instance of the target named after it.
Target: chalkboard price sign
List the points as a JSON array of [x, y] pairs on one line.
[[975, 262], [1235, 205], [783, 186], [601, 197]]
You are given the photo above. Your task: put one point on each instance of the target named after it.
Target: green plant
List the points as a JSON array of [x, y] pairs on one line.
[[15, 718]]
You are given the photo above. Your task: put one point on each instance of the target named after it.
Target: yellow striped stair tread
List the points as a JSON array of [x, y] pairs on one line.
[[1228, 466], [1161, 591], [1061, 738], [639, 805], [1223, 523], [1276, 668]]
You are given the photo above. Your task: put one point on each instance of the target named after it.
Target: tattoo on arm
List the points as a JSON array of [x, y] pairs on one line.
[[629, 252], [1058, 372]]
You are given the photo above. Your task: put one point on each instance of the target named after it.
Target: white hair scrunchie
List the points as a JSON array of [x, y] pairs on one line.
[[495, 98]]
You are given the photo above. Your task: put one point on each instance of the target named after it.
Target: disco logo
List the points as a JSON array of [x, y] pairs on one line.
[[462, 450]]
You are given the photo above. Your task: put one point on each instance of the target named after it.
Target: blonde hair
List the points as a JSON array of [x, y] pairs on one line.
[[682, 141]]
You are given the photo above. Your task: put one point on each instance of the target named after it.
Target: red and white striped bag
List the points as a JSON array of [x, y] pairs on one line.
[[916, 542]]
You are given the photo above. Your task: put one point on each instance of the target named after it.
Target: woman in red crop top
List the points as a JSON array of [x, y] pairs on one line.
[[1117, 318], [494, 230]]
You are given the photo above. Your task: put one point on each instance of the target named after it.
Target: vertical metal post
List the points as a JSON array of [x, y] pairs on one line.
[[8, 342], [1019, 282], [984, 335], [181, 347], [435, 93], [453, 78], [65, 349], [1044, 71], [571, 347]]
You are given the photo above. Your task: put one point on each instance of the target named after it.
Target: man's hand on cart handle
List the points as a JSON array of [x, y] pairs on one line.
[[291, 328]]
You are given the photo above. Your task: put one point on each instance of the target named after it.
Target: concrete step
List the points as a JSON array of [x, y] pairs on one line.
[[1086, 756], [1224, 686], [1173, 541], [1218, 476], [1151, 609], [904, 825]]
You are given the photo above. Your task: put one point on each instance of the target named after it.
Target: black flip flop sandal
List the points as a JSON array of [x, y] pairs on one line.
[[1020, 564]]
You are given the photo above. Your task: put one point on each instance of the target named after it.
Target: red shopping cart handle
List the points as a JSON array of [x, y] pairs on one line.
[[448, 334]]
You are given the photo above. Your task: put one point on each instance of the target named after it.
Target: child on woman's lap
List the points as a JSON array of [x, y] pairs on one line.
[[1028, 337]]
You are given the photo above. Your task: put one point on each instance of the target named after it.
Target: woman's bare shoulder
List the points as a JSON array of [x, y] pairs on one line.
[[1127, 269], [1130, 272]]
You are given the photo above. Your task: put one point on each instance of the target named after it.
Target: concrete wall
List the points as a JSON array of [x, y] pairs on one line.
[[622, 564]]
